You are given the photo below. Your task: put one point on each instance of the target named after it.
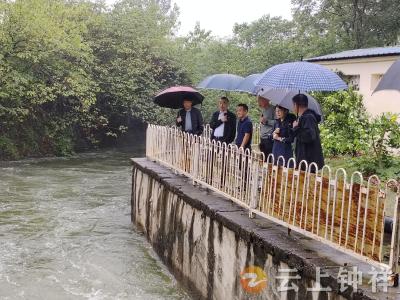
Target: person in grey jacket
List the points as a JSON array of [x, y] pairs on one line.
[[190, 119], [267, 121]]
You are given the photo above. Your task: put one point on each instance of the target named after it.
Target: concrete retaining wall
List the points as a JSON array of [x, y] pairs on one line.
[[207, 241]]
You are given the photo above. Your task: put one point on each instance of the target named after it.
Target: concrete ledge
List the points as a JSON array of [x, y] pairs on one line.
[[169, 209]]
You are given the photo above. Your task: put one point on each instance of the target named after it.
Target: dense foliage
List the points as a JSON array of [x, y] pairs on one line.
[[344, 128], [383, 135], [78, 74], [369, 142], [73, 74]]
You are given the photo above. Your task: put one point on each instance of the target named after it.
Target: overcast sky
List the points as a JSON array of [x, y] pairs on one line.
[[219, 16]]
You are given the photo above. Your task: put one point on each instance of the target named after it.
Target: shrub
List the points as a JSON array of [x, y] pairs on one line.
[[345, 118], [383, 135], [348, 130]]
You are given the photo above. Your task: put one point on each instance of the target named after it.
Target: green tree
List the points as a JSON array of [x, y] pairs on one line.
[[383, 135], [347, 24], [344, 128], [134, 54], [74, 73], [44, 73], [266, 42]]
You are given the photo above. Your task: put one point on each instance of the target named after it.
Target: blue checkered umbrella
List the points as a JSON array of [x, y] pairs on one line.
[[301, 76], [247, 85], [221, 82]]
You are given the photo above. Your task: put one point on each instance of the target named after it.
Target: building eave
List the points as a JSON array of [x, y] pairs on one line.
[[316, 59]]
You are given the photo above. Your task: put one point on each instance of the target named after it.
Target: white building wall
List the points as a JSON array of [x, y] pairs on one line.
[[383, 101]]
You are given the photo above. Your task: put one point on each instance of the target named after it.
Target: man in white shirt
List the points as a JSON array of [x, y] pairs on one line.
[[223, 123]]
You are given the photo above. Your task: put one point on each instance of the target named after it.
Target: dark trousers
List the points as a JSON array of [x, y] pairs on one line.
[[224, 163], [243, 167], [219, 139], [266, 147]]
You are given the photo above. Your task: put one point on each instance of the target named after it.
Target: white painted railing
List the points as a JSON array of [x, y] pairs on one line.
[[255, 139], [207, 131], [346, 212]]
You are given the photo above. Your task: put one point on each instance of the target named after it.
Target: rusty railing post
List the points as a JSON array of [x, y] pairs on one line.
[[394, 246]]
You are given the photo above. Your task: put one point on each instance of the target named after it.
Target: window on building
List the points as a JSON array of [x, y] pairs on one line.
[[375, 79], [353, 81]]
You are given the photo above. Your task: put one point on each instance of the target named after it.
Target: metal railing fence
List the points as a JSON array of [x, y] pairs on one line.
[[346, 212]]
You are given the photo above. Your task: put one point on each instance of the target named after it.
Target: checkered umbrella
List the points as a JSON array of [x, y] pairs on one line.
[[301, 76]]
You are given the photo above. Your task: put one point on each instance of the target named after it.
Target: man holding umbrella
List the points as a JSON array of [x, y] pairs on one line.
[[303, 76], [190, 118], [305, 130]]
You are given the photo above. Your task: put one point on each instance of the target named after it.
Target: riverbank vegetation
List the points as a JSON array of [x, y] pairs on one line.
[[78, 74], [75, 74]]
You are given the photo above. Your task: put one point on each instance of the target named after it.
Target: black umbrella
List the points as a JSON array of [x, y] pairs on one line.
[[173, 97], [391, 79]]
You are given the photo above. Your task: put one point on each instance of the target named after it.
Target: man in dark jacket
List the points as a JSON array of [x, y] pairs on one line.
[[305, 130], [190, 118], [223, 123]]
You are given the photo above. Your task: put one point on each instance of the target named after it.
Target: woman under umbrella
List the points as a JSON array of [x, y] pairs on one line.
[[281, 136]]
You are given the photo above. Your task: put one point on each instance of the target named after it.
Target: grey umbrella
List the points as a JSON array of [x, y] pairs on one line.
[[247, 85], [283, 97], [221, 82], [391, 79]]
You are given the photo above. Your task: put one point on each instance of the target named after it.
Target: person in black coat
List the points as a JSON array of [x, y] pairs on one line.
[[223, 123], [282, 137], [190, 118], [308, 142]]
